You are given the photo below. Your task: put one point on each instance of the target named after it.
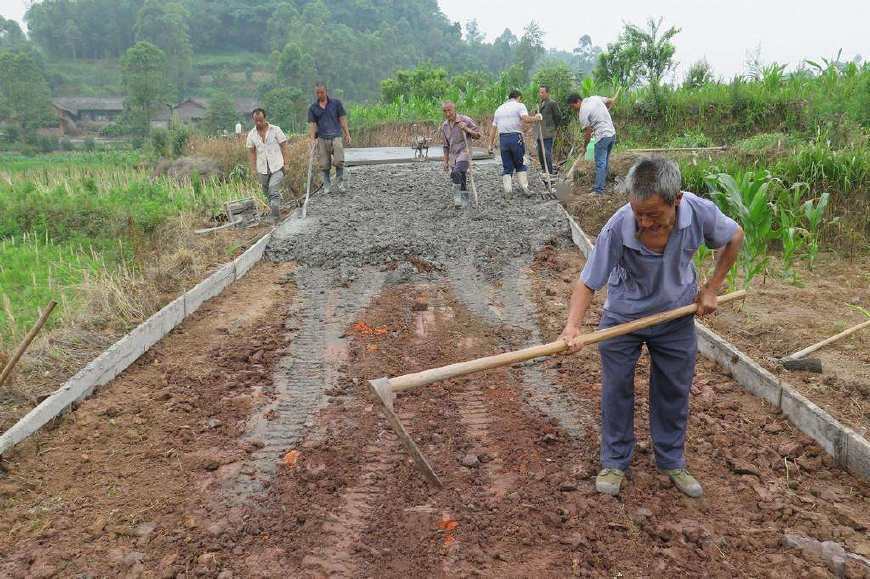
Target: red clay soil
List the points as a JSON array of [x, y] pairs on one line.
[[133, 482]]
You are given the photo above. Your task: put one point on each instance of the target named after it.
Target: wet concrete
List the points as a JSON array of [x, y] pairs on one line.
[[381, 155]]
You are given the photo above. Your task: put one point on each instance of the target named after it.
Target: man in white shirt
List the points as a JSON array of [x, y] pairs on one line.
[[269, 157], [594, 112], [507, 125]]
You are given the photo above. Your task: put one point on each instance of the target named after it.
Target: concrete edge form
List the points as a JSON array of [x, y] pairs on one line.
[[120, 355], [849, 449]]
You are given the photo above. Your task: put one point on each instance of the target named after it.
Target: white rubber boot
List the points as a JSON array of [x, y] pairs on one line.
[[506, 184], [523, 178]]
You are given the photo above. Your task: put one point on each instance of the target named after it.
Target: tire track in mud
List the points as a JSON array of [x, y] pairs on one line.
[[508, 303], [344, 529], [311, 367]]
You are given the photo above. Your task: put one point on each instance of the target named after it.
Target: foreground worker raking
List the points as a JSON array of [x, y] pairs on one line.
[[644, 258]]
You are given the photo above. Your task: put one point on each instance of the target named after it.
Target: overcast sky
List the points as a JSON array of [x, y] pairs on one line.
[[787, 31]]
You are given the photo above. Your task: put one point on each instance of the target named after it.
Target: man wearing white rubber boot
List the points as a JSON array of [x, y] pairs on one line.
[[508, 125]]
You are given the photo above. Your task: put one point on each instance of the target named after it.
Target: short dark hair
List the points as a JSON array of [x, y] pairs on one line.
[[546, 87], [515, 94], [258, 110], [574, 98]]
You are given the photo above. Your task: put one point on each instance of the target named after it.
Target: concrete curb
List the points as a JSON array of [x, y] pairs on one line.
[[849, 449], [128, 349]]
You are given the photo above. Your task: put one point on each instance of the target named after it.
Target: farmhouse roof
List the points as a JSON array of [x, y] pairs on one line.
[[75, 104]]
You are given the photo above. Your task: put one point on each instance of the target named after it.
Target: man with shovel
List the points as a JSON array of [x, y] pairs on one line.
[[549, 111], [328, 129], [269, 157], [508, 123], [457, 130], [644, 257], [594, 112]]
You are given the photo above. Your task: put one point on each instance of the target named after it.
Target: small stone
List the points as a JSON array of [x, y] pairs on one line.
[[470, 461], [549, 438], [214, 423], [568, 487], [144, 529], [132, 558], [217, 529]]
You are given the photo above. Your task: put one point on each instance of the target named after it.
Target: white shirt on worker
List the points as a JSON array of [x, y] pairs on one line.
[[269, 157], [594, 113], [509, 117]]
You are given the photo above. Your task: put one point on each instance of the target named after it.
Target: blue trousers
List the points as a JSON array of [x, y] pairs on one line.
[[547, 156], [602, 156], [672, 347], [513, 151]]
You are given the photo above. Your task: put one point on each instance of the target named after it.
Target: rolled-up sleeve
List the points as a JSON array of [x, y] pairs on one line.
[[602, 260], [718, 228]]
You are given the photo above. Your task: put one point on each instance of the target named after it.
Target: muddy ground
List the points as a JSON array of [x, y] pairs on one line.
[[246, 444]]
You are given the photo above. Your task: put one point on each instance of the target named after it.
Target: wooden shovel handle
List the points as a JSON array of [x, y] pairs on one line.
[[463, 368]]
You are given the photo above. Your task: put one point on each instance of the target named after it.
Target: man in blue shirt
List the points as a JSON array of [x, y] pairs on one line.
[[327, 124], [644, 257]]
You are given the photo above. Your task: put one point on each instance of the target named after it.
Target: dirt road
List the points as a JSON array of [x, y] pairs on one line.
[[246, 445]]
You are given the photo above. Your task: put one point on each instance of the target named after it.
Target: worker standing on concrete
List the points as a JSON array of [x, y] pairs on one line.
[[549, 111], [327, 125], [644, 257], [269, 158], [595, 119], [457, 130], [507, 125]]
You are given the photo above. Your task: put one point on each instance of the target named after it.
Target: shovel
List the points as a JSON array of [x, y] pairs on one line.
[[384, 389], [547, 176], [308, 181], [470, 154]]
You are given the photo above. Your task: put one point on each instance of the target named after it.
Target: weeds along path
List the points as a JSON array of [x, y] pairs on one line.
[[246, 444]]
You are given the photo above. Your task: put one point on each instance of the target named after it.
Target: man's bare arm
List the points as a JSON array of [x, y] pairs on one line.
[[345, 129], [285, 152], [580, 300], [252, 161], [727, 257], [312, 131], [587, 136]]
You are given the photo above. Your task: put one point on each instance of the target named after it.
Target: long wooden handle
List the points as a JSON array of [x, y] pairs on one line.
[[823, 343], [463, 368], [27, 340]]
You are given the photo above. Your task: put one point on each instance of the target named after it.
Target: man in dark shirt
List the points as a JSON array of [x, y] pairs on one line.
[[327, 124], [549, 110]]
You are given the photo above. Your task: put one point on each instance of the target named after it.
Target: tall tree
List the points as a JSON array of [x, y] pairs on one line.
[[11, 35], [586, 54], [145, 74], [530, 48], [221, 114], [655, 51], [25, 98], [164, 24]]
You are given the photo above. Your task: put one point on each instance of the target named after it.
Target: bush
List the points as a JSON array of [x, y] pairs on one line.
[[179, 137], [159, 143], [90, 144]]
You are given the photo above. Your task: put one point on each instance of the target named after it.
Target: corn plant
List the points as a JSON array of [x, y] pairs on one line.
[[745, 198], [792, 236], [814, 213], [703, 258]]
